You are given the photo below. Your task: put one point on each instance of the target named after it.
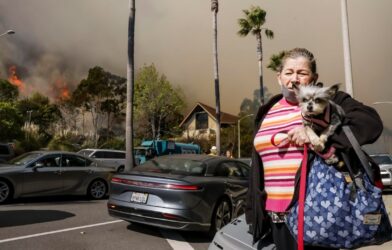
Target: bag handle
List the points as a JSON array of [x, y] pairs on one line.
[[361, 155]]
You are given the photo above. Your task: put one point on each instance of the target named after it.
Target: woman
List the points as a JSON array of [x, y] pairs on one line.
[[272, 189]]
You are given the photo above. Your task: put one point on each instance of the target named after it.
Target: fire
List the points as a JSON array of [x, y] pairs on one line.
[[62, 90], [14, 79]]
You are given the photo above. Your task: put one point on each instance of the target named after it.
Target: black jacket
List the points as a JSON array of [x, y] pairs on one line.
[[363, 121]]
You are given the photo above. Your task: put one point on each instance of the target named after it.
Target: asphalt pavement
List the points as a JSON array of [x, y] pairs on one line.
[[77, 223]]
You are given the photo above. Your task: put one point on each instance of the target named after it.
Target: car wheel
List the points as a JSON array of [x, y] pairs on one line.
[[221, 216], [240, 209], [120, 169], [5, 191], [97, 189]]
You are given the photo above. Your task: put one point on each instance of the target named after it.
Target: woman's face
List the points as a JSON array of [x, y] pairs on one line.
[[296, 71]]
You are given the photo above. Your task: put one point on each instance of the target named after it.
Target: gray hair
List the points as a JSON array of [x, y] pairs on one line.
[[299, 52]]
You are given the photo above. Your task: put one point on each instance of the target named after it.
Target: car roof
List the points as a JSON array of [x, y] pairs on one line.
[[103, 149], [53, 152], [198, 157], [382, 154]]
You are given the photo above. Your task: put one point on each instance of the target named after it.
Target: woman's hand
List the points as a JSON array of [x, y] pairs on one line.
[[298, 136]]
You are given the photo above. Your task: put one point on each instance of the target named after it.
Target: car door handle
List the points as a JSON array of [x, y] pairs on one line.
[[57, 172], [90, 171]]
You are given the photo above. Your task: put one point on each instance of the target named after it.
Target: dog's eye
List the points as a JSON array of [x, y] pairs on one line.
[[317, 100], [304, 100]]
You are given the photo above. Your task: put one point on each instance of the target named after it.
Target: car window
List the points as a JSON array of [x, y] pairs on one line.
[[228, 169], [119, 155], [244, 169], [75, 161], [99, 154], [50, 161], [382, 159], [173, 166], [25, 158], [85, 152]]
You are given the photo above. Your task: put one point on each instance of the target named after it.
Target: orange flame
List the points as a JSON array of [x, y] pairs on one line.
[[14, 79], [63, 90]]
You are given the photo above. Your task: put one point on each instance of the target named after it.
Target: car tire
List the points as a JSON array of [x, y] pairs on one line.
[[5, 191], [120, 169], [221, 216], [97, 189], [240, 209]]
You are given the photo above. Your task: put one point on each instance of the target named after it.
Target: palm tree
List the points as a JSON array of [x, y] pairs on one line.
[[252, 23], [129, 162], [276, 61], [214, 9]]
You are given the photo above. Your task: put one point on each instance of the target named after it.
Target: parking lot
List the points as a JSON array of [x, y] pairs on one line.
[[78, 223]]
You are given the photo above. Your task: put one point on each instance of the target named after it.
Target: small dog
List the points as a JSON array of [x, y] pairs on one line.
[[321, 116]]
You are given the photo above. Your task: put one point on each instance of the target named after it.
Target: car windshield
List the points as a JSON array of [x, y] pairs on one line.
[[25, 158], [85, 152], [173, 166], [139, 151], [382, 159]]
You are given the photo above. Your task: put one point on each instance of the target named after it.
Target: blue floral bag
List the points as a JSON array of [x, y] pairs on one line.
[[339, 213]]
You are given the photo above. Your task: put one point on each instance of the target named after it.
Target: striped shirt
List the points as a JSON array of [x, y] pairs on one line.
[[280, 164]]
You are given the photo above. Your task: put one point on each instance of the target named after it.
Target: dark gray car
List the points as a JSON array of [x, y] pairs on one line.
[[185, 192], [45, 173]]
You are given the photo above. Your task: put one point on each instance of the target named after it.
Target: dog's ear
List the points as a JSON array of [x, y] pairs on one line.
[[319, 84], [333, 89]]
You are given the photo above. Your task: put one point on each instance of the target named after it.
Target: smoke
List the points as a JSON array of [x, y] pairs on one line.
[[56, 41]]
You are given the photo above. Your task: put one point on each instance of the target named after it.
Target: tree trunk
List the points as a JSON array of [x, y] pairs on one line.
[[129, 162], [214, 8], [260, 60]]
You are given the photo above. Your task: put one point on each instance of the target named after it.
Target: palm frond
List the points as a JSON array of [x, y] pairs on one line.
[[245, 27], [276, 61], [214, 6], [269, 33]]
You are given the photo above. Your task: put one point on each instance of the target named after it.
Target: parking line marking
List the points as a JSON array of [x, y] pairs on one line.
[[59, 231], [176, 241]]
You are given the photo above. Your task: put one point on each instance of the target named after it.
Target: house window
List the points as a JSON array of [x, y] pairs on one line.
[[201, 120]]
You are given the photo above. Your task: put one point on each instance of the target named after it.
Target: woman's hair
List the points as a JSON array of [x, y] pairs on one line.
[[299, 52]]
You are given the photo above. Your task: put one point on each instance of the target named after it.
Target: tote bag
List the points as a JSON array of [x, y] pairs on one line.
[[338, 213]]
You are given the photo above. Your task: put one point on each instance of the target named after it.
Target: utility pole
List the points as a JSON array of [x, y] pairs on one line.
[[346, 49]]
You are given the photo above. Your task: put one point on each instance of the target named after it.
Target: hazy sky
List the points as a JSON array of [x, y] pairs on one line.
[[63, 39]]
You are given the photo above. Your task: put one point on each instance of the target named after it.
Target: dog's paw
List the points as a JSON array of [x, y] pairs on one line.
[[332, 160], [318, 146], [323, 138]]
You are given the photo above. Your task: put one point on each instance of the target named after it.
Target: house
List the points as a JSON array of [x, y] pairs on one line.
[[201, 121]]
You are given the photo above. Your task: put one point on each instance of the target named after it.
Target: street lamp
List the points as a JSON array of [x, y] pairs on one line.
[[239, 134], [8, 32]]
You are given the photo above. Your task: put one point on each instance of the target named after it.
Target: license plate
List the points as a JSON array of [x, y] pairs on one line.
[[139, 197]]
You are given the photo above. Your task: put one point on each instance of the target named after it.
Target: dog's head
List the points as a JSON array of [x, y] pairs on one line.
[[314, 98]]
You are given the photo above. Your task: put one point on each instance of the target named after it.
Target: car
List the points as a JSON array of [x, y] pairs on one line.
[[236, 235], [6, 152], [385, 163], [184, 192], [48, 173], [246, 160], [109, 157]]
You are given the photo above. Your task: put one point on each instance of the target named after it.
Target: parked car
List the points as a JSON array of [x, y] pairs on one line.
[[109, 157], [45, 173], [236, 235], [184, 192], [248, 161], [385, 163], [6, 152]]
